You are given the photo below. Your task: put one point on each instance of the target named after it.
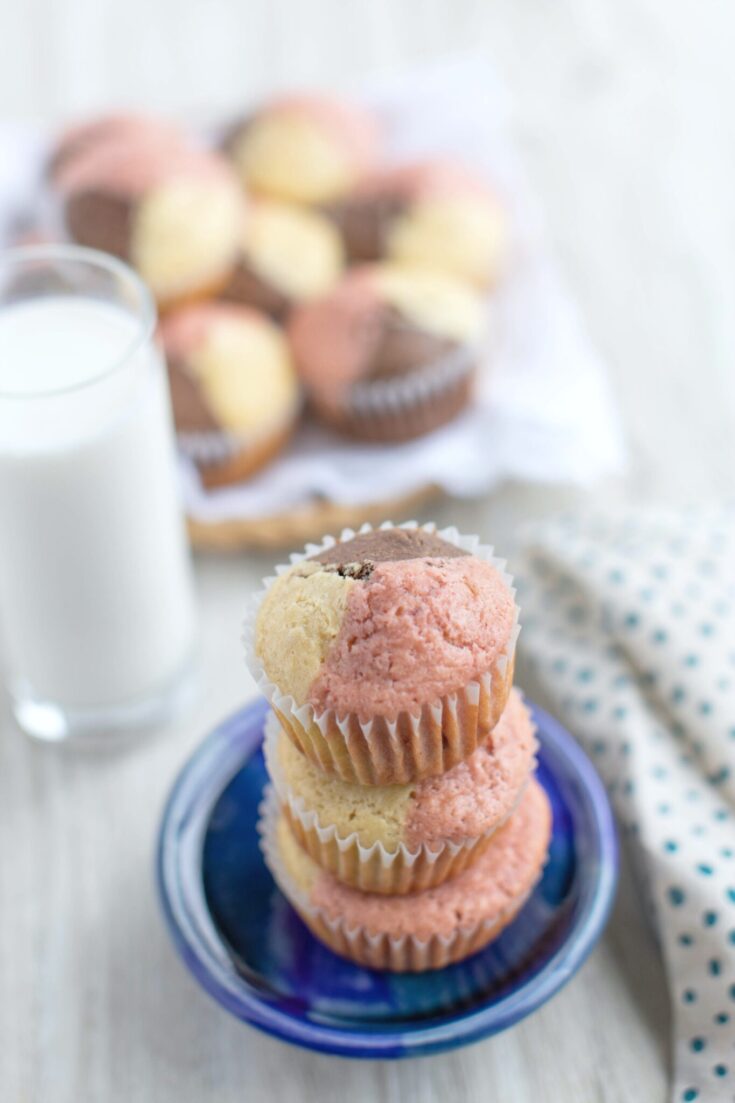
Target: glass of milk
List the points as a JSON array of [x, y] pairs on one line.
[[97, 625]]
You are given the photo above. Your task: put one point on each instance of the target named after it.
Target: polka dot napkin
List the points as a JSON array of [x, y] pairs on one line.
[[629, 628]]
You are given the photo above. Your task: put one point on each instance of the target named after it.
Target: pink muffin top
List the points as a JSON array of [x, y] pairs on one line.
[[132, 169], [354, 129], [118, 128], [422, 619], [425, 179], [495, 884], [413, 633], [480, 793], [335, 337]]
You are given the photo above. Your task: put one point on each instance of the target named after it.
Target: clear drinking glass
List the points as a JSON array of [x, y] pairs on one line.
[[96, 598]]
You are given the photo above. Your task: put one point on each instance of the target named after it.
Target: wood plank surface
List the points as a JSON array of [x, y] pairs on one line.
[[621, 112]]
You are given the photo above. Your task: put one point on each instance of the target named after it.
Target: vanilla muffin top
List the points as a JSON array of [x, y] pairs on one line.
[[296, 250], [304, 148], [229, 369], [288, 254], [432, 213]]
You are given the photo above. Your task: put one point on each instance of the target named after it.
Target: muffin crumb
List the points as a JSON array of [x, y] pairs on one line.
[[359, 571]]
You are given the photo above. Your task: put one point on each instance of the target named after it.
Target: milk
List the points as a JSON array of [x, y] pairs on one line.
[[96, 602]]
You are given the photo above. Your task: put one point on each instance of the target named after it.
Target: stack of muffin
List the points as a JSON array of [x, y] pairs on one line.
[[291, 260], [403, 822]]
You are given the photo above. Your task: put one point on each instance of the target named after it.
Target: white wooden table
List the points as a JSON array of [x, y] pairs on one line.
[[621, 113]]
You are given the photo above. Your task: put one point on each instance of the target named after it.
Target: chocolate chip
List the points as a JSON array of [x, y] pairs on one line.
[[358, 571]]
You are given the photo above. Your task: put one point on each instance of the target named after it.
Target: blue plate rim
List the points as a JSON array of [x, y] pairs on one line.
[[263, 1012]]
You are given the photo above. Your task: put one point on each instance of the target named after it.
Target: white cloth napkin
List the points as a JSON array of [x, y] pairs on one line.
[[629, 629], [545, 412]]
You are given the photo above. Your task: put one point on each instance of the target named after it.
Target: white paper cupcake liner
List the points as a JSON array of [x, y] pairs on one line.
[[402, 391], [216, 448], [372, 868], [412, 746], [404, 406], [406, 954]]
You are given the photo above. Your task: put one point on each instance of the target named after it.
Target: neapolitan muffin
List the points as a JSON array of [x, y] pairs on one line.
[[177, 215], [234, 391], [304, 148], [404, 838], [423, 930], [433, 213], [288, 255], [387, 656], [391, 353]]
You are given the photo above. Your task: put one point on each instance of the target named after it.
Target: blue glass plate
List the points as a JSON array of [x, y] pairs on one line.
[[249, 949]]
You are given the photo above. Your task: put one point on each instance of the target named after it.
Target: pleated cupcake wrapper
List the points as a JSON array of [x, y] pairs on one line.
[[404, 391], [405, 954], [411, 747], [405, 406], [371, 868], [216, 447]]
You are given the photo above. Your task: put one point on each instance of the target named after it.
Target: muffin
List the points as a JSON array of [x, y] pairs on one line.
[[176, 214], [234, 391], [424, 930], [388, 657], [404, 838], [304, 148], [433, 213], [287, 255], [391, 353], [113, 129]]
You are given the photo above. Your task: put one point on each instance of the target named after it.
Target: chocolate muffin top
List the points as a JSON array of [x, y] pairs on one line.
[[357, 557]]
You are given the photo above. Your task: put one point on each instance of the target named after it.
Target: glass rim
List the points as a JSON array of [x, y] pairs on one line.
[[17, 256]]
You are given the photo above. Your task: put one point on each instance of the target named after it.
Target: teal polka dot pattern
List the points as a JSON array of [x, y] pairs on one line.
[[632, 633]]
